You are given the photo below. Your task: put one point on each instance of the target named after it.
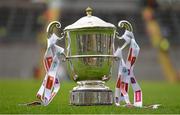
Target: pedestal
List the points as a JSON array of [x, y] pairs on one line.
[[91, 93]]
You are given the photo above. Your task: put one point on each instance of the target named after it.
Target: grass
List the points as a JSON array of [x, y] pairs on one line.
[[14, 92]]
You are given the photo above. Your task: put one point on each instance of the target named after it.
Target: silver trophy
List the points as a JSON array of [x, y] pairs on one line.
[[89, 48]]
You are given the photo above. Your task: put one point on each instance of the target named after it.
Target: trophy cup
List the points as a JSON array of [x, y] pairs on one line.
[[89, 54], [89, 49]]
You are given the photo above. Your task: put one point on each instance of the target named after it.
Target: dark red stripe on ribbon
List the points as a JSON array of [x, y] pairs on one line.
[[118, 84], [130, 55], [49, 83], [49, 62], [138, 96]]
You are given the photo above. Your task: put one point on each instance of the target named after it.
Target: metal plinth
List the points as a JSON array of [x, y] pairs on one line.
[[91, 97]]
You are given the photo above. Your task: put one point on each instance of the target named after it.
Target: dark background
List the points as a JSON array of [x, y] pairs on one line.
[[22, 22]]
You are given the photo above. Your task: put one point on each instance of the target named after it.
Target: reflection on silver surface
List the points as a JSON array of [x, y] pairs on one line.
[[90, 55], [93, 44]]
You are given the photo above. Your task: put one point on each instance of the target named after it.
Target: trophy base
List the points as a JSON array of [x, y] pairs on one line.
[[91, 93]]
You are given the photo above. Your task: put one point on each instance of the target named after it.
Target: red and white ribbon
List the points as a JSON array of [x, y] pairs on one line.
[[51, 83], [126, 75]]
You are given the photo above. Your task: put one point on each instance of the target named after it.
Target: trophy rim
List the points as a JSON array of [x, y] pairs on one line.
[[92, 56]]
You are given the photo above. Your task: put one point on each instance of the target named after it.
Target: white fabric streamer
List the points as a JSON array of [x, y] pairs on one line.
[[126, 74], [51, 83]]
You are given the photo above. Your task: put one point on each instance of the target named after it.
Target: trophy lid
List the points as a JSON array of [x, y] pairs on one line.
[[89, 21]]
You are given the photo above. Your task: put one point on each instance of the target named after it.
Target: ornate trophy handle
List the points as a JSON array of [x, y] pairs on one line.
[[50, 32], [128, 27], [50, 29], [125, 24]]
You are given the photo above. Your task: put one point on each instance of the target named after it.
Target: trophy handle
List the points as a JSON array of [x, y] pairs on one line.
[[125, 24], [51, 27], [49, 30], [128, 27]]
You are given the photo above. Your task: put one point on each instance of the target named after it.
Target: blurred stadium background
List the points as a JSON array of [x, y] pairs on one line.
[[23, 36]]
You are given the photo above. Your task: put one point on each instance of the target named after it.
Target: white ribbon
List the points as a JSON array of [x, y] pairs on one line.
[[126, 74], [51, 83]]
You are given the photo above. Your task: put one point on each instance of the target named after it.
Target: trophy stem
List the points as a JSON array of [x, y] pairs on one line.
[[91, 92]]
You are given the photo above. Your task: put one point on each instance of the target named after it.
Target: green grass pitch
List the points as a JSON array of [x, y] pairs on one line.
[[14, 92]]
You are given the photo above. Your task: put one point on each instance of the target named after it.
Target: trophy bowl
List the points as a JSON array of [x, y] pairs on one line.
[[89, 54]]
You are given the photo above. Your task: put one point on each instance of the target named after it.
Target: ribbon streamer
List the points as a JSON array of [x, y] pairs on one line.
[[51, 84], [126, 75]]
